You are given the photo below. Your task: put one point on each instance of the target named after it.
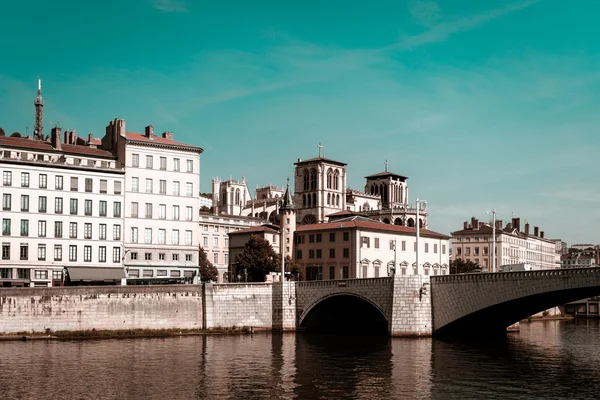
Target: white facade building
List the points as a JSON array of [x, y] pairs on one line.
[[62, 211]]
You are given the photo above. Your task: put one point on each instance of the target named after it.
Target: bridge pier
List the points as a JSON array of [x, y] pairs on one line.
[[284, 306], [411, 307]]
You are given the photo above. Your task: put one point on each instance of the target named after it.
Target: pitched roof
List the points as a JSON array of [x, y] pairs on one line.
[[41, 145], [256, 229], [370, 224], [386, 174], [320, 159], [288, 202], [138, 137]]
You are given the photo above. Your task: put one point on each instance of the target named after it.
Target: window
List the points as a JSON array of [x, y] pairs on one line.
[[189, 189], [6, 251], [42, 204], [215, 241], [426, 247], [102, 234], [148, 185], [43, 183], [56, 275], [162, 186], [88, 207], [332, 273], [58, 229], [161, 257], [135, 160], [148, 210], [87, 231], [24, 227], [319, 253], [24, 202], [58, 205], [116, 232], [73, 230], [58, 182], [147, 257], [331, 253], [162, 236], [117, 209], [41, 252], [176, 164], [149, 162], [225, 261], [189, 213], [226, 240], [365, 241], [319, 237], [346, 236], [6, 201], [41, 228], [116, 254], [175, 236], [163, 163], [176, 213], [311, 238], [190, 165], [133, 256], [148, 236], [74, 184], [39, 274], [72, 253], [6, 227], [135, 184], [134, 210], [175, 188], [346, 252], [73, 208], [311, 253], [188, 238], [176, 258], [162, 211], [24, 179], [7, 178], [404, 245], [435, 248], [103, 208], [88, 185], [215, 258], [24, 251], [332, 237], [87, 253], [102, 254], [117, 187], [134, 235]]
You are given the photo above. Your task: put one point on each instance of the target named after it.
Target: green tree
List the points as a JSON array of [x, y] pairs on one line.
[[460, 266], [208, 272], [258, 258]]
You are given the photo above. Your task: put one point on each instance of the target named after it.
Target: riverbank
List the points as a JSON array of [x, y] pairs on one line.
[[122, 334]]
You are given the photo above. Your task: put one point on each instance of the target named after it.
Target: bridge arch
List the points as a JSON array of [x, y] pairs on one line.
[[344, 311]]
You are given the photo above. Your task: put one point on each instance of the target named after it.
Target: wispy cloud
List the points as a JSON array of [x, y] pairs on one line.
[[170, 6], [425, 12]]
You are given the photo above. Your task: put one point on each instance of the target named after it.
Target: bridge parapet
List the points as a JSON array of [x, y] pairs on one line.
[[503, 276]]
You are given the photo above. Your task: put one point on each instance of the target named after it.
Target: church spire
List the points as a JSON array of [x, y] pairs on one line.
[[38, 128], [288, 202]]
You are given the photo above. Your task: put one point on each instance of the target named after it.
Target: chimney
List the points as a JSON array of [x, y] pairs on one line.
[[73, 137], [536, 231], [474, 223], [55, 138], [466, 225], [527, 229], [149, 131], [518, 224], [167, 135], [509, 226], [499, 224], [67, 137], [542, 234]]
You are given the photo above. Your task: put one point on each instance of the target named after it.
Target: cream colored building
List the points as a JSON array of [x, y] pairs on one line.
[[513, 245], [214, 238], [359, 247], [238, 240]]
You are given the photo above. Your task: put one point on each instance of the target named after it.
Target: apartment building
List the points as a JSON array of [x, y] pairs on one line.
[[360, 247], [513, 245], [62, 211], [239, 238], [214, 233]]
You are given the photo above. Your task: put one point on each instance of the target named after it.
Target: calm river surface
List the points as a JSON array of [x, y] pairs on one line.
[[546, 360]]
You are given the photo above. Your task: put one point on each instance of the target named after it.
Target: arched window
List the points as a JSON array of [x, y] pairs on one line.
[[410, 223], [308, 197], [313, 179], [237, 197], [337, 200], [328, 198], [303, 200], [420, 223], [314, 199], [372, 189], [329, 179], [336, 179], [306, 179], [398, 221]]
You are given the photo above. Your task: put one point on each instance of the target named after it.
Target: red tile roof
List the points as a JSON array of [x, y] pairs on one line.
[[32, 144], [375, 225], [138, 137]]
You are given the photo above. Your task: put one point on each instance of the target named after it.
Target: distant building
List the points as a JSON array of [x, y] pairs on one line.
[[238, 240]]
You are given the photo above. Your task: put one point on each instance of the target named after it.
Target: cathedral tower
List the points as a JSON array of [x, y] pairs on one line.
[[38, 129], [288, 223]]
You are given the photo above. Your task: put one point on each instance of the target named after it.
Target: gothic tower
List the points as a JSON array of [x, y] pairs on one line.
[[38, 129], [288, 223]]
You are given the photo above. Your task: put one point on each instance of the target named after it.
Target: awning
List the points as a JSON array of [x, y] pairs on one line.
[[95, 274]]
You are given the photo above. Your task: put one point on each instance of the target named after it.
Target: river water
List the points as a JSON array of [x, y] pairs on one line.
[[545, 360]]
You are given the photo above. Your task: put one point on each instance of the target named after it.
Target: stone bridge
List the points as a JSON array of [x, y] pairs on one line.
[[468, 303]]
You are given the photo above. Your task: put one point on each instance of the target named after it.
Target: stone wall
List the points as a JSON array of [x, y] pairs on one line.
[[411, 306], [100, 308]]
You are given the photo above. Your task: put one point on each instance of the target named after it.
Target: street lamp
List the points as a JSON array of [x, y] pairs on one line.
[[493, 212], [418, 203], [393, 269]]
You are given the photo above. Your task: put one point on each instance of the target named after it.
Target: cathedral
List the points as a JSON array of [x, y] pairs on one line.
[[320, 195]]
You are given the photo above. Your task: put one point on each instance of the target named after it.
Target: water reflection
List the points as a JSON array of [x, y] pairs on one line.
[[547, 360]]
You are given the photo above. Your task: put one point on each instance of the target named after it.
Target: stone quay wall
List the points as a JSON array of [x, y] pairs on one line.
[[411, 309], [100, 308]]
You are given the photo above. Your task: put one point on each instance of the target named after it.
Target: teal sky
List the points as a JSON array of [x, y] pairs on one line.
[[482, 104]]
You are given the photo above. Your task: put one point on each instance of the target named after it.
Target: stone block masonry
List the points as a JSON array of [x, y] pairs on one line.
[[411, 309], [100, 308]]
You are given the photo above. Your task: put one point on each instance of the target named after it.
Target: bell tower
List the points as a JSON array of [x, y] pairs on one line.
[[288, 223], [38, 128]]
